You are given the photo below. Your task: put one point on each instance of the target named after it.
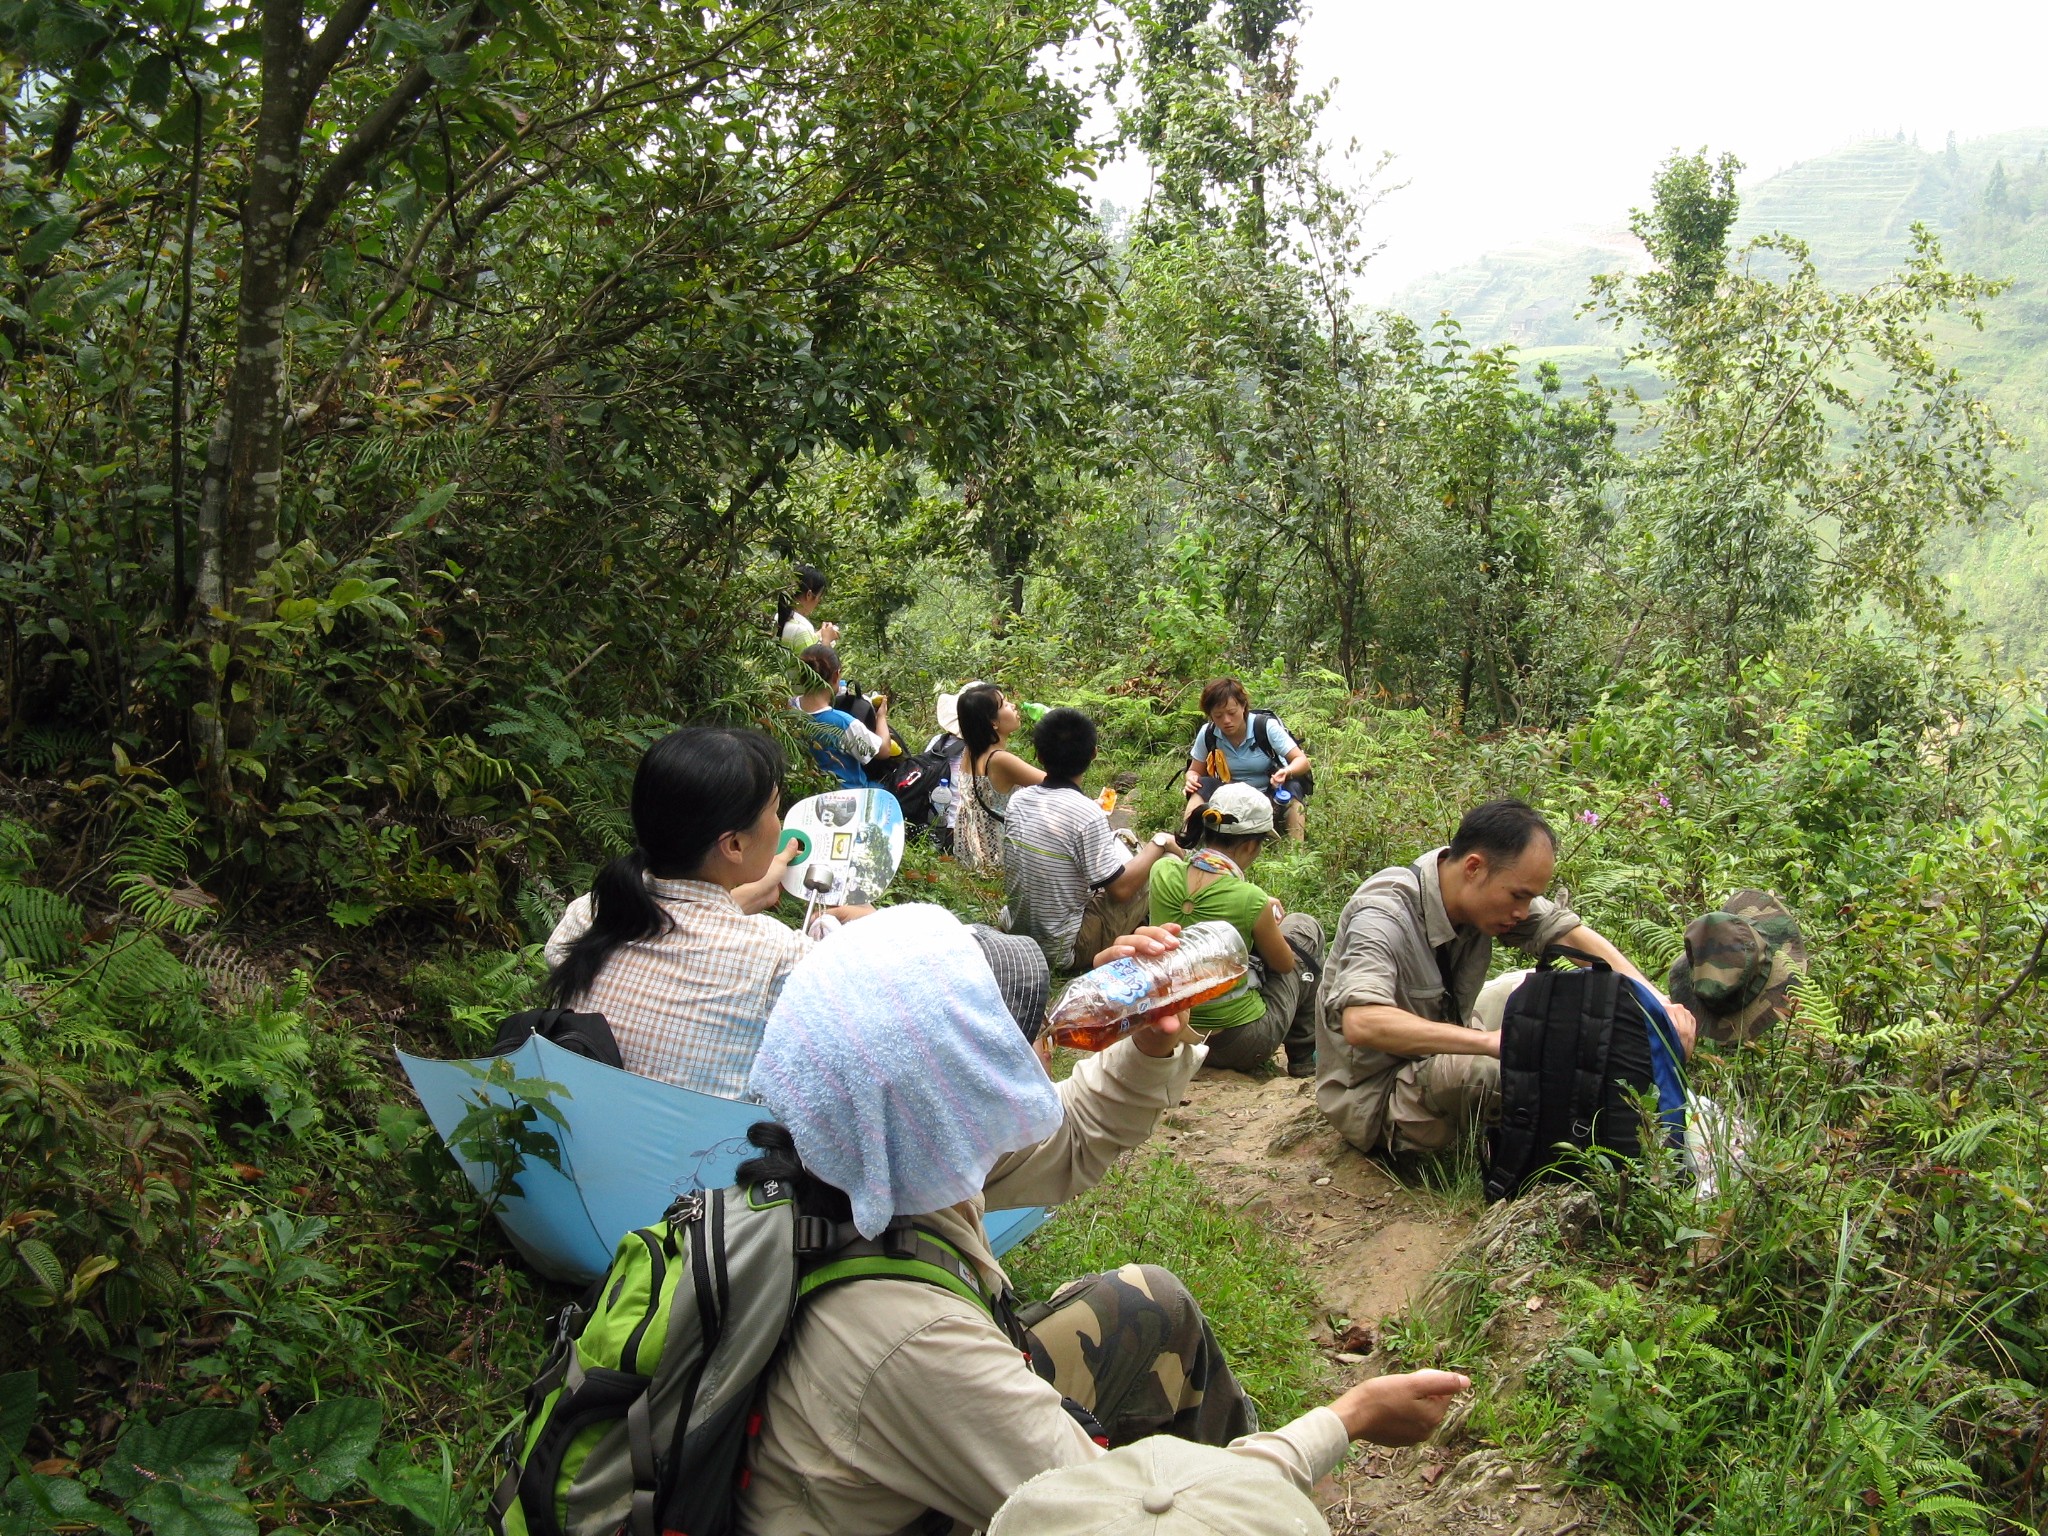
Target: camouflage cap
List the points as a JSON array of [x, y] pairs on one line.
[[1736, 973]]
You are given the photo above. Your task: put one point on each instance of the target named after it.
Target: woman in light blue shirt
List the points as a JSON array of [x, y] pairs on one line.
[[1240, 745]]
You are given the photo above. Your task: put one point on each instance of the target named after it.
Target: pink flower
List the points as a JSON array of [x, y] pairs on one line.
[[1590, 818], [1665, 801]]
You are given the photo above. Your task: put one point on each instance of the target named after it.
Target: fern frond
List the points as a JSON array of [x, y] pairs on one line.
[[1814, 1008], [19, 843], [231, 976], [180, 908], [37, 925]]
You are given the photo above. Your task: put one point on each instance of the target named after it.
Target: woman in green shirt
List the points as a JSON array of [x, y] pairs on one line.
[[1279, 1008]]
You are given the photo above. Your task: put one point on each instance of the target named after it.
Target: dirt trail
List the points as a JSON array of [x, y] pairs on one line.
[[1372, 1247]]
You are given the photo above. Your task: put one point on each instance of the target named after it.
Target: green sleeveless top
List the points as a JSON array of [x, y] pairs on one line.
[[1229, 899]]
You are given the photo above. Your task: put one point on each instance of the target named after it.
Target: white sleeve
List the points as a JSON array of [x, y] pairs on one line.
[[574, 924], [863, 743]]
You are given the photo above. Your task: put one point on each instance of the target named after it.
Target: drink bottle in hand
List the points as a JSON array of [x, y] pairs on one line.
[[1100, 1008]]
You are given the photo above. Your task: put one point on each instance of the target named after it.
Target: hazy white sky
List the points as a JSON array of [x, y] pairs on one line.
[[1511, 122]]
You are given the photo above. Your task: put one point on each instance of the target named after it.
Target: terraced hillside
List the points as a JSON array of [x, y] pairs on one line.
[[1989, 201]]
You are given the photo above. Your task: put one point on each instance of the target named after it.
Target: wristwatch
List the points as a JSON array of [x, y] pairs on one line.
[[1162, 839]]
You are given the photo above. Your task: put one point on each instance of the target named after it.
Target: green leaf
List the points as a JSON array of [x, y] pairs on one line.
[[426, 1494], [18, 1397], [42, 1262], [51, 236], [324, 1447], [34, 1504], [151, 86], [428, 506], [204, 1444], [353, 590], [182, 1509]]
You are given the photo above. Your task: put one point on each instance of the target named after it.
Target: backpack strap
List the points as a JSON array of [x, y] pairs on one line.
[[903, 1252], [1521, 1085], [1600, 992], [1262, 735]]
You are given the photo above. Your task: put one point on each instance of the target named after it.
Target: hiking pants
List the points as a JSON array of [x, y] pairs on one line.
[[1105, 920], [1436, 1097], [1134, 1350], [1290, 1016]]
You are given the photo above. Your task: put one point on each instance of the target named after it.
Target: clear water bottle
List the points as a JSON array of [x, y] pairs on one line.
[[1101, 1007]]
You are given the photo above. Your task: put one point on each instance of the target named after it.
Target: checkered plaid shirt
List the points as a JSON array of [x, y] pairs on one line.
[[689, 1005]]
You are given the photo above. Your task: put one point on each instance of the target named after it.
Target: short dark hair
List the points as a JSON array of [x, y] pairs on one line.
[[1500, 829], [1065, 740], [1223, 691]]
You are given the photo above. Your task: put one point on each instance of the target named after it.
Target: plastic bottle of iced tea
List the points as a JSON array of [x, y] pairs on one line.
[[1100, 1008]]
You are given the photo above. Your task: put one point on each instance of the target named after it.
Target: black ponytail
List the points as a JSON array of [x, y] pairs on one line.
[[1204, 829], [778, 1160], [692, 787]]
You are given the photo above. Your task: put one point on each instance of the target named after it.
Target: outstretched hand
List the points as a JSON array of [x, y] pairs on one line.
[[1399, 1410], [1163, 1035]]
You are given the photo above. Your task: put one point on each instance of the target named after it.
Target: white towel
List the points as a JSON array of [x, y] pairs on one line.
[[896, 1066]]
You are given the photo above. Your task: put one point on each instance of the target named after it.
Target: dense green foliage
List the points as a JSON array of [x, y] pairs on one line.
[[410, 410]]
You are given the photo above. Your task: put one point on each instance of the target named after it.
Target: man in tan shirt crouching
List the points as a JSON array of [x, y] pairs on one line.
[[1398, 1066]]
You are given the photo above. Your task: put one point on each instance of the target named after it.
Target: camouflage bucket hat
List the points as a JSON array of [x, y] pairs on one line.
[[1736, 973]]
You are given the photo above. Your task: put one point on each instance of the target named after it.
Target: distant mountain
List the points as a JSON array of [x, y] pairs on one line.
[[1987, 199]]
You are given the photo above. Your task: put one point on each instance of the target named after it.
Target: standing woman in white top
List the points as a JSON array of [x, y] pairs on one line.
[[988, 773], [793, 626]]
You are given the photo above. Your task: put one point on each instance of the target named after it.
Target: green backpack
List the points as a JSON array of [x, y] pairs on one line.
[[639, 1419]]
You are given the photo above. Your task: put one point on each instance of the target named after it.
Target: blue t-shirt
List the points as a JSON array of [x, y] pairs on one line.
[[1248, 764], [836, 742]]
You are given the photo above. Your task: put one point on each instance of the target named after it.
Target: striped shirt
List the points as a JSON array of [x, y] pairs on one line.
[[689, 1005], [1057, 851]]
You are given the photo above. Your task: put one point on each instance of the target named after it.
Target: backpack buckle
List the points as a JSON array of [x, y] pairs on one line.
[[814, 1234], [900, 1242]]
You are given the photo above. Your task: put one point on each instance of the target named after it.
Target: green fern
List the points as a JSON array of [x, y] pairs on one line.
[[44, 749], [19, 844], [1815, 1008], [38, 925], [151, 867], [544, 727]]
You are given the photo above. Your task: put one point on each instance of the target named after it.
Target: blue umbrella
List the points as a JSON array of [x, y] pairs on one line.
[[629, 1145]]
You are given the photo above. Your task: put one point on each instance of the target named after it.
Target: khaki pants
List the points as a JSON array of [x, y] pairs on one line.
[[1105, 920], [1436, 1098], [1290, 1016]]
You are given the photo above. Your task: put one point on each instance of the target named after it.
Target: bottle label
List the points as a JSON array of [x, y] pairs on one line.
[[1123, 983]]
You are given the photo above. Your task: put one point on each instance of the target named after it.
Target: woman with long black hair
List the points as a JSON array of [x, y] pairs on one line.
[[673, 945], [793, 626], [988, 773]]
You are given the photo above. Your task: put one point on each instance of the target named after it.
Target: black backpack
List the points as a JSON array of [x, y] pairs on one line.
[[587, 1034], [1262, 721], [1579, 1047], [910, 777]]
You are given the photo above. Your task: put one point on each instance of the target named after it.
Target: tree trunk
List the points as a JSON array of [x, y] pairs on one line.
[[237, 526]]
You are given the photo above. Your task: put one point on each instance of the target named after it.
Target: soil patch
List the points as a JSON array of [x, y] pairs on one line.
[[1373, 1246], [1370, 1244]]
